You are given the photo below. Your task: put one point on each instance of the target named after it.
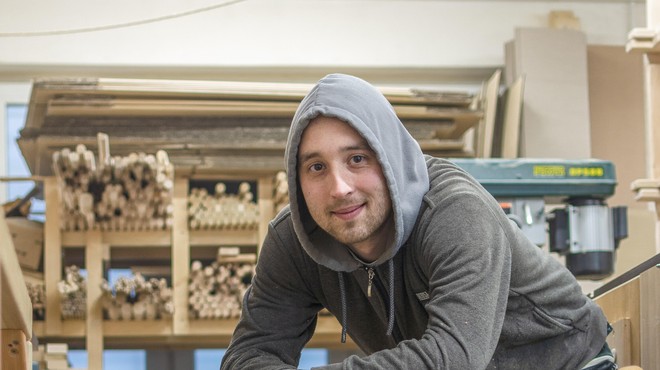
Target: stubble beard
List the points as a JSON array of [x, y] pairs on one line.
[[353, 232]]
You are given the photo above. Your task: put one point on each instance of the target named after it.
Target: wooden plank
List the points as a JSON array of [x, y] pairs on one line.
[[223, 237], [16, 308], [619, 341], [487, 125], [554, 63], [16, 352], [180, 255], [137, 328], [220, 108], [649, 320], [94, 321], [227, 90], [623, 302], [512, 119], [52, 256], [647, 195], [645, 183], [157, 238]]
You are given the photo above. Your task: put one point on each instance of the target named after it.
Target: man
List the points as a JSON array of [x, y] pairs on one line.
[[417, 261]]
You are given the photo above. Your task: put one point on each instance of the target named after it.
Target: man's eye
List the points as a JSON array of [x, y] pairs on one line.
[[357, 158], [316, 167]]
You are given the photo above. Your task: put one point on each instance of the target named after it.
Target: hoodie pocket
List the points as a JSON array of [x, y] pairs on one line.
[[552, 321], [525, 322]]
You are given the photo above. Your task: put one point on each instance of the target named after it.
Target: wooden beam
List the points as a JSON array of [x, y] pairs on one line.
[[16, 308], [180, 255]]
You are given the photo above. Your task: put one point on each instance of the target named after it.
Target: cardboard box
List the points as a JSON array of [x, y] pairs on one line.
[[28, 238]]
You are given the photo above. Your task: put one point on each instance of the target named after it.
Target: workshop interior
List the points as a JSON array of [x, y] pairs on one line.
[[142, 156]]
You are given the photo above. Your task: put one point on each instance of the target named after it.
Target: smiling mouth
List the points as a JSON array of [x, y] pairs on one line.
[[348, 212]]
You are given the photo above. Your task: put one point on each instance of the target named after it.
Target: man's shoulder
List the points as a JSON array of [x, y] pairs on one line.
[[284, 215]]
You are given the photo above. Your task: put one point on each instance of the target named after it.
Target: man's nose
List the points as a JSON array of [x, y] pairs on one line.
[[340, 184]]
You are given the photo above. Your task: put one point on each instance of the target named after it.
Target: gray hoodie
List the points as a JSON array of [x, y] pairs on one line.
[[459, 286]]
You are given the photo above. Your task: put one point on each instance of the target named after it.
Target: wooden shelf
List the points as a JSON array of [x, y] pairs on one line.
[[163, 238], [155, 238], [199, 334], [224, 238]]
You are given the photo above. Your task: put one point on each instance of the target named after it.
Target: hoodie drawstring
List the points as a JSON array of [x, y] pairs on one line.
[[342, 293], [390, 323]]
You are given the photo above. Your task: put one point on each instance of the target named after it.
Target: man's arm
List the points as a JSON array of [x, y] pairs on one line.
[[279, 313]]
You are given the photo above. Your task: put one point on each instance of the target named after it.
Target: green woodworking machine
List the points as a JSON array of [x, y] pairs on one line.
[[560, 203]]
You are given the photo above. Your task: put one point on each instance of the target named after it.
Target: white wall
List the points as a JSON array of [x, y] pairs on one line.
[[276, 33], [450, 43]]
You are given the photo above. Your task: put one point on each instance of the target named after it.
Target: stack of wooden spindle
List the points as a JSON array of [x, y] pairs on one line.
[[37, 294], [119, 193], [222, 210], [280, 191], [73, 292], [216, 291], [135, 298]]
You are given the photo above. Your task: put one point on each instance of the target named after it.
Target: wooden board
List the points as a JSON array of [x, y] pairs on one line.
[[16, 309], [512, 119], [555, 118], [487, 124]]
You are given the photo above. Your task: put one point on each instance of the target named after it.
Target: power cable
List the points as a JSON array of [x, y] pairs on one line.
[[119, 25]]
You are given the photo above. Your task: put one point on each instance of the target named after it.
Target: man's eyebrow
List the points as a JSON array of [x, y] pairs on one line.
[[304, 157]]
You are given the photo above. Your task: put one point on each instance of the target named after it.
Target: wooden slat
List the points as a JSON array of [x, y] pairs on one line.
[[180, 255], [16, 352], [620, 340], [157, 238], [229, 90], [223, 237], [16, 307], [225, 108], [623, 303], [94, 321], [512, 119], [649, 320], [487, 125], [52, 256]]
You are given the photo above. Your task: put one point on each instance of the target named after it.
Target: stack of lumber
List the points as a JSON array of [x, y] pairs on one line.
[[212, 126], [280, 191], [135, 298], [37, 291], [221, 210], [73, 291], [216, 291], [116, 193]]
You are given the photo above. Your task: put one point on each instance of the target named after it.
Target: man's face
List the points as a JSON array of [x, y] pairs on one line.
[[344, 187]]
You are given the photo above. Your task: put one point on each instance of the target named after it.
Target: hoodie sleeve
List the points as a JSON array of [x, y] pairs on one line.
[[279, 312], [464, 251]]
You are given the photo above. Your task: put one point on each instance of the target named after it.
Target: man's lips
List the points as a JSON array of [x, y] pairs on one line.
[[348, 213]]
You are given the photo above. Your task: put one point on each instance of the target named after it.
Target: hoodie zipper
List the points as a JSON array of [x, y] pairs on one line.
[[370, 275]]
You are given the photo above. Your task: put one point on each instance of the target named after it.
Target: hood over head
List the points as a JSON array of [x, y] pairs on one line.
[[364, 108]]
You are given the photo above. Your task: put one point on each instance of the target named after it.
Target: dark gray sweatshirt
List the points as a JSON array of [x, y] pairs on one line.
[[459, 287]]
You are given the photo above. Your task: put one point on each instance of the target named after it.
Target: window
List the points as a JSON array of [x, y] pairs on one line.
[[16, 166]]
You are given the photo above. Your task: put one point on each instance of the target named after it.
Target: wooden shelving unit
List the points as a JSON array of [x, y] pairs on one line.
[[211, 131], [179, 331]]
